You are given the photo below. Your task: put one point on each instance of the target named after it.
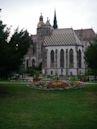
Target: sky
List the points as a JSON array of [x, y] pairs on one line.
[[78, 14]]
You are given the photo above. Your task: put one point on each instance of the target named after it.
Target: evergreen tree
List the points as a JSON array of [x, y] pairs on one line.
[[4, 33], [12, 51], [91, 58]]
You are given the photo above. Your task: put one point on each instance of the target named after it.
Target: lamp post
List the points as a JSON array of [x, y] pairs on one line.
[[17, 46]]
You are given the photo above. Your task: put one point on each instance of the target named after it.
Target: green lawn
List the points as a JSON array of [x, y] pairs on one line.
[[22, 107]]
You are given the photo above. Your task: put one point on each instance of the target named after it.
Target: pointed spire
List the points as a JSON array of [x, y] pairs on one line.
[[0, 9], [55, 26]]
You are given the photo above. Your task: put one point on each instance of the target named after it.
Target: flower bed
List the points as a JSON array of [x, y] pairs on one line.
[[57, 84]]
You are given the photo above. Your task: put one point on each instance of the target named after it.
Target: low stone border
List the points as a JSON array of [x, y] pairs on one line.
[[44, 85]]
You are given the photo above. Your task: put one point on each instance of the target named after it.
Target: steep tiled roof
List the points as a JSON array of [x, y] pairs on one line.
[[85, 34], [65, 36]]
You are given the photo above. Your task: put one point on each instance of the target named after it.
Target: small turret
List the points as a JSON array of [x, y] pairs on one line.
[[48, 22], [48, 27]]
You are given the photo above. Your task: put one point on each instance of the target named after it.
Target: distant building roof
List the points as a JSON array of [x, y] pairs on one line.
[[65, 36], [85, 34]]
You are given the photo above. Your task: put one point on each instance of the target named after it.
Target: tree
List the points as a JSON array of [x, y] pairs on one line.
[[4, 33], [12, 51], [91, 58]]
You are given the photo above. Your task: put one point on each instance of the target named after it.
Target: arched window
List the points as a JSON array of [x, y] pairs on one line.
[[34, 48], [79, 59], [33, 62], [56, 51], [71, 58], [51, 72], [27, 63], [66, 58], [62, 58], [52, 58]]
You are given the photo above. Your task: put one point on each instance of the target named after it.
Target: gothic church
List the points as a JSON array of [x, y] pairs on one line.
[[61, 51]]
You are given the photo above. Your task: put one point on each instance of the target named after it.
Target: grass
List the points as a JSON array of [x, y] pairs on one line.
[[22, 107]]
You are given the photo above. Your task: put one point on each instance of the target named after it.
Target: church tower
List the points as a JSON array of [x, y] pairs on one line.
[[40, 26], [43, 29], [55, 26]]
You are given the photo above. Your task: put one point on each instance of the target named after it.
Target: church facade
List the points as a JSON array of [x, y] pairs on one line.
[[61, 51]]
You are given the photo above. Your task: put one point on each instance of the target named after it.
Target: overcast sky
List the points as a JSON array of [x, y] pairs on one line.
[[77, 14]]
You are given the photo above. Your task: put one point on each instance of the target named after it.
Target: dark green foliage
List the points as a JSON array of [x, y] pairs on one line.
[[12, 51], [91, 56], [34, 71], [4, 33]]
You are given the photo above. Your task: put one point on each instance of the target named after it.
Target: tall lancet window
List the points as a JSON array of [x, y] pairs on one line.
[[79, 59], [71, 58], [66, 58], [33, 62], [62, 58], [52, 58], [56, 57], [27, 63]]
